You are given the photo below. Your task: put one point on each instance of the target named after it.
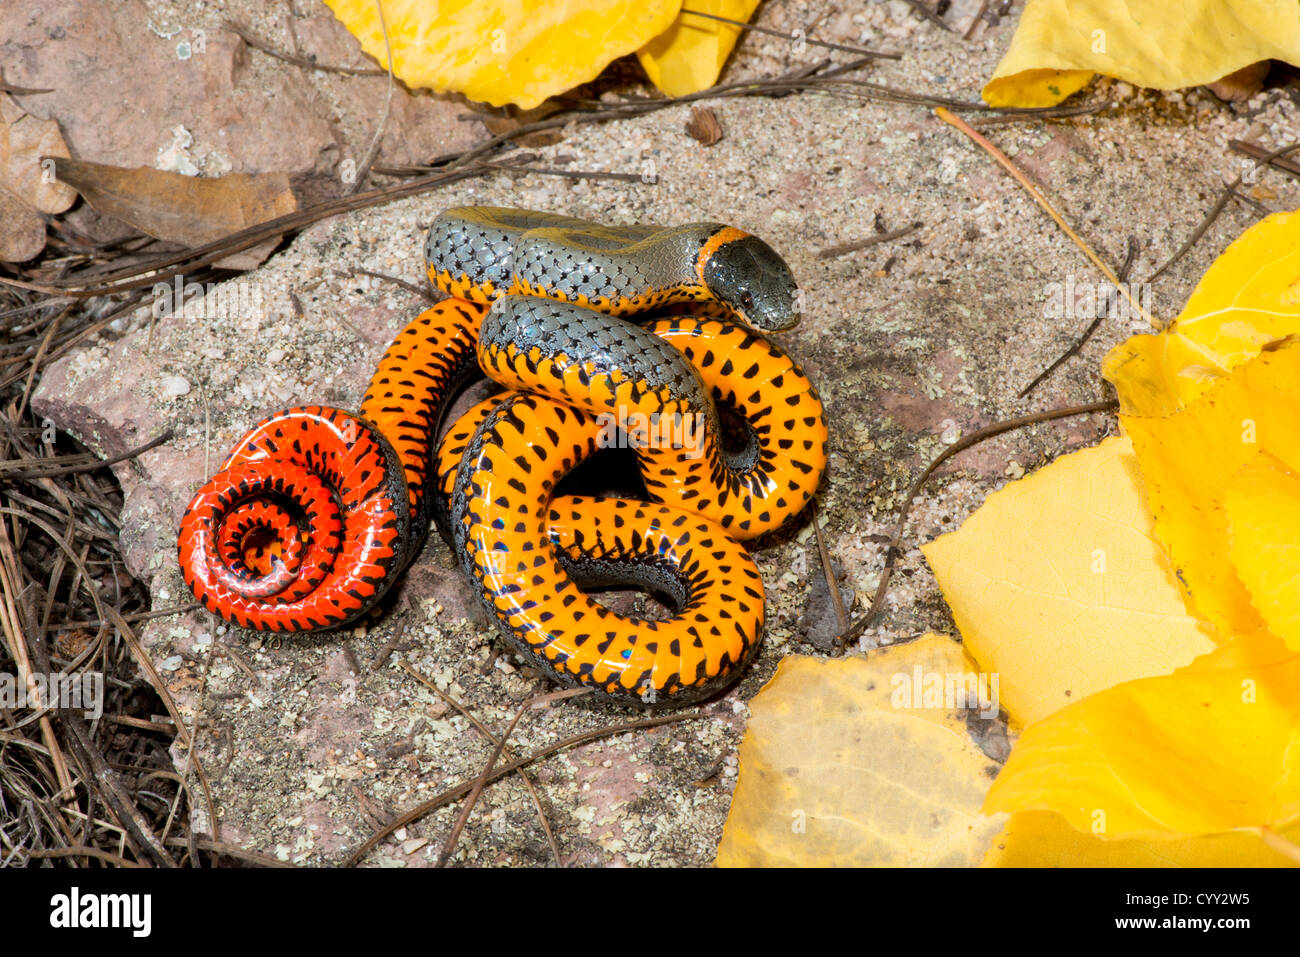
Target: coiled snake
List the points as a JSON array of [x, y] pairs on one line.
[[316, 511]]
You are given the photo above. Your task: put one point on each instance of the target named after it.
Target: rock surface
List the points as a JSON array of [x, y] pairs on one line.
[[308, 741], [175, 89]]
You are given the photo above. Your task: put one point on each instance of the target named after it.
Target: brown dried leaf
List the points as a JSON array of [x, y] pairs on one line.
[[1241, 84], [26, 190], [182, 209], [22, 235], [510, 118], [704, 126], [24, 142]]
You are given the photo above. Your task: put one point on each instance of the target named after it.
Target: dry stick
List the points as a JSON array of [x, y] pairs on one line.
[[420, 291], [974, 438], [50, 332], [1039, 198], [171, 265], [85, 332], [1087, 333], [143, 840], [208, 253], [389, 647], [976, 20], [230, 850], [82, 850], [844, 249], [12, 626], [94, 466], [1215, 210], [134, 616], [1046, 113], [828, 571], [501, 770], [257, 43], [755, 28], [363, 170], [804, 78], [145, 663], [572, 173], [536, 701], [492, 739], [1253, 203], [929, 14], [1258, 152]]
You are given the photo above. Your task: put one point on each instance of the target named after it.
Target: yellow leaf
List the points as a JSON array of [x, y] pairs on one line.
[[1044, 839], [1262, 503], [1188, 460], [1249, 297], [504, 51], [689, 55], [832, 773], [1207, 749], [1059, 587], [1059, 44]]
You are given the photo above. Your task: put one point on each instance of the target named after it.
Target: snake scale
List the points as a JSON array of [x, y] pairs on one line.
[[316, 511]]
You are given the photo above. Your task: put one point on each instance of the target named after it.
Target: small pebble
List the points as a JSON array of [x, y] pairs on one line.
[[174, 386]]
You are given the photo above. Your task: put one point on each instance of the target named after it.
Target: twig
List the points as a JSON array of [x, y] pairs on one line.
[[1047, 113], [844, 249], [86, 467], [363, 169], [755, 28], [537, 701], [82, 851], [492, 739], [501, 770], [1224, 195], [1037, 194], [1258, 152], [257, 43], [828, 571], [166, 267], [929, 14], [976, 20], [230, 850], [997, 428], [425, 294], [1124, 271]]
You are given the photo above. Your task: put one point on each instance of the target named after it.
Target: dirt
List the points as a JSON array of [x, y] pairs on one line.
[[913, 343]]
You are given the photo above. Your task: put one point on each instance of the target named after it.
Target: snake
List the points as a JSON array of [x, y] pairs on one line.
[[642, 336]]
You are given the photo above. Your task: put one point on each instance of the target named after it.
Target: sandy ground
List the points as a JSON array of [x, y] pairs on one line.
[[913, 343]]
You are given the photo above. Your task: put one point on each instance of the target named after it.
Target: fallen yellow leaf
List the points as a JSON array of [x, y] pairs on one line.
[[1059, 587], [1060, 44], [1249, 297], [689, 55], [1044, 839], [1207, 749], [1188, 460], [504, 51], [1262, 503], [861, 762]]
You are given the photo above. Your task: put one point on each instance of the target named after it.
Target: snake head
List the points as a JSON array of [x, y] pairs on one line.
[[747, 275]]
